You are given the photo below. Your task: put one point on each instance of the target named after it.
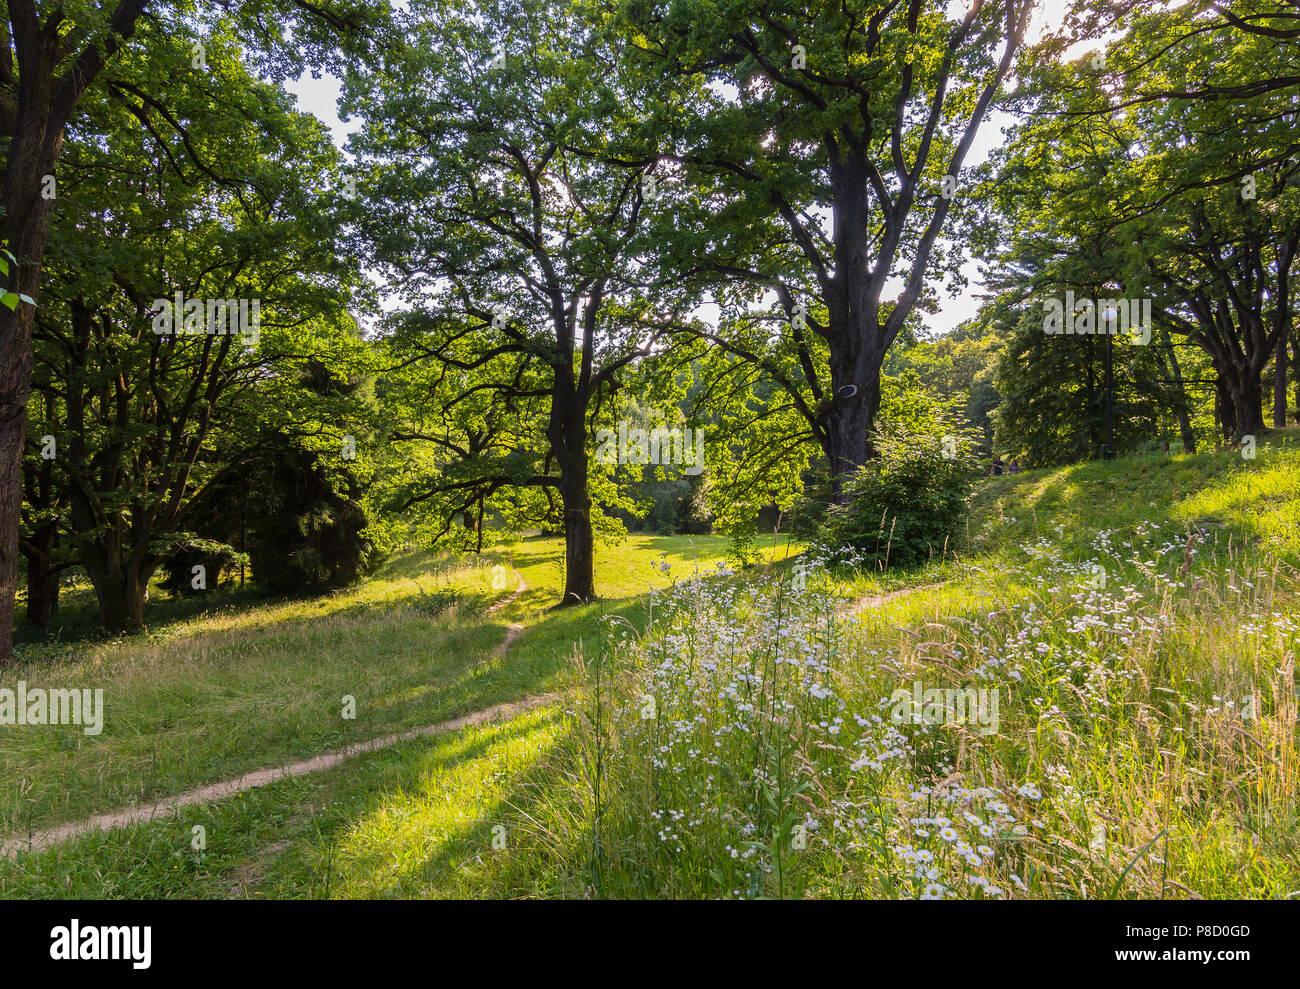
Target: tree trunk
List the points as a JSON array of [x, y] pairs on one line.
[[34, 117], [567, 432], [579, 544], [42, 578], [1248, 404], [846, 421], [1223, 411], [42, 596], [121, 600], [1295, 363], [1175, 374], [23, 227], [1239, 399], [1279, 383]]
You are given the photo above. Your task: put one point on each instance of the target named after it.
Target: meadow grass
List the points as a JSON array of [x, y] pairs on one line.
[[218, 694], [736, 734]]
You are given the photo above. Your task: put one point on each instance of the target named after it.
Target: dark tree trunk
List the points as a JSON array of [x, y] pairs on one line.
[[1224, 414], [567, 433], [121, 593], [24, 227], [1248, 403], [579, 543], [1295, 363], [1175, 374], [1238, 399], [1279, 383], [42, 577], [34, 116], [847, 422]]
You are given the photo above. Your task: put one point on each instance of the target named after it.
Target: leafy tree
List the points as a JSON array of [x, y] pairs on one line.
[[519, 255], [1189, 201], [310, 531], [205, 200], [49, 60], [825, 145]]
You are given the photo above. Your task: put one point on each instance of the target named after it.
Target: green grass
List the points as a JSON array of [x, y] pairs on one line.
[[1125, 642], [220, 694]]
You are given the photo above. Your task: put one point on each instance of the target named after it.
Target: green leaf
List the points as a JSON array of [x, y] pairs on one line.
[[10, 299]]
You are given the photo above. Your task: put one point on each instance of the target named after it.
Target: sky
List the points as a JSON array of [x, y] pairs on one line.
[[320, 97]]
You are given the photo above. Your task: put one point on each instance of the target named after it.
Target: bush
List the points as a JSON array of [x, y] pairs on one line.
[[218, 560], [907, 505], [808, 515], [312, 532], [441, 601]]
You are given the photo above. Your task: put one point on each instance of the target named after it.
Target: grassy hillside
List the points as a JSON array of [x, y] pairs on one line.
[[731, 735]]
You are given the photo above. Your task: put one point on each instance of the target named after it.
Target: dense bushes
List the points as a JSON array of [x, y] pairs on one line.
[[907, 505], [310, 534], [300, 522], [219, 561]]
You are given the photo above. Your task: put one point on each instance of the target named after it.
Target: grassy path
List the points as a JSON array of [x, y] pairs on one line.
[[39, 841]]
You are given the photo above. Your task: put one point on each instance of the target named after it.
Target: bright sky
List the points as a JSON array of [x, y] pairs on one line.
[[320, 97]]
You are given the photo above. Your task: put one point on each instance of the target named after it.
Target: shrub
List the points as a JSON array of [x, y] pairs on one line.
[[908, 504], [441, 601], [218, 560], [312, 532]]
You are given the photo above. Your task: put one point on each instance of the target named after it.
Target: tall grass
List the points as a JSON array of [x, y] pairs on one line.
[[747, 744]]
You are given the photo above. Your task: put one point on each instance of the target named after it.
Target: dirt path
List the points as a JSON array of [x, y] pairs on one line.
[[38, 841], [514, 630], [876, 600]]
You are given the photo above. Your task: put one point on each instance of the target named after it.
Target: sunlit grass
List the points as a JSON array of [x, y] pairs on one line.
[[237, 689], [1143, 605]]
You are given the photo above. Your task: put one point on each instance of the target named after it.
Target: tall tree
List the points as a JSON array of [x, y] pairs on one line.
[[49, 59], [190, 184], [519, 250], [826, 144], [1191, 203], [45, 70]]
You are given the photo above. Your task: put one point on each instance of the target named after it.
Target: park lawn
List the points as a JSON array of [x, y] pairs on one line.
[[213, 696], [1150, 786]]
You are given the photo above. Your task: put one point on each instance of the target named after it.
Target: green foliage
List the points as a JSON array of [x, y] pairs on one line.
[[217, 559], [11, 299], [907, 506], [957, 371], [439, 602], [311, 531]]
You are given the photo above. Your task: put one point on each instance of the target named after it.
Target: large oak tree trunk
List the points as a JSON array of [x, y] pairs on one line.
[[1248, 403], [579, 543], [1238, 398], [847, 421], [24, 228], [121, 593], [567, 432]]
